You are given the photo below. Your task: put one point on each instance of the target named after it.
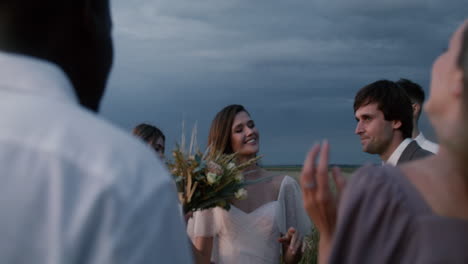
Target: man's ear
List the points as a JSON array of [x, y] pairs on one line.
[[416, 109], [396, 124]]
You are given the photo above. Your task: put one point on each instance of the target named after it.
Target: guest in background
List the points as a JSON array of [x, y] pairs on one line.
[[153, 136], [384, 123], [417, 97], [74, 188], [414, 213]]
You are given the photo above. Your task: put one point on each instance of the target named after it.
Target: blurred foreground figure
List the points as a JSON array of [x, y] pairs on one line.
[[414, 213], [74, 189]]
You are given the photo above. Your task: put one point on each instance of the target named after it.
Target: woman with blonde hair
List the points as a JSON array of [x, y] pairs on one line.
[[254, 229]]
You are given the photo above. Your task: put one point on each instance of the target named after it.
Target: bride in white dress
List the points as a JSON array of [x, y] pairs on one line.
[[264, 228]]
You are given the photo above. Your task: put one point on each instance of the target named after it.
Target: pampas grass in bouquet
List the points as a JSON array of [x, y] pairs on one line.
[[206, 181]]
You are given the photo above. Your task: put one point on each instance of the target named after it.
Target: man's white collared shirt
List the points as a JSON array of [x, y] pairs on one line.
[[393, 160], [74, 188], [426, 144]]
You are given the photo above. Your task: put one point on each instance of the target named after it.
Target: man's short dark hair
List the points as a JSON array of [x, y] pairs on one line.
[[75, 35], [391, 99], [414, 90]]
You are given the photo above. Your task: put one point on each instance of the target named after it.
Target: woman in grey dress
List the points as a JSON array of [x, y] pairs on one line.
[[415, 213]]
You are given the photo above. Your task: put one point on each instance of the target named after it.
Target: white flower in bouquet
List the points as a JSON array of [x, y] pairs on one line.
[[239, 177], [212, 178], [241, 194], [231, 165]]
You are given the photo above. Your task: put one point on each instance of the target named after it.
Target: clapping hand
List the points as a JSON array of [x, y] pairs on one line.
[[320, 202]]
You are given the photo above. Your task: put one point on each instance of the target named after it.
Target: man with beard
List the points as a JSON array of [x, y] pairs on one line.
[[384, 123]]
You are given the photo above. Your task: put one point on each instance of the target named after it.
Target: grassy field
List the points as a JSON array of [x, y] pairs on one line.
[[295, 171]]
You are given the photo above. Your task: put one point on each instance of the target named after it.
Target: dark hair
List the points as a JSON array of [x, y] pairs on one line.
[[219, 139], [413, 90], [391, 99], [148, 133], [73, 34]]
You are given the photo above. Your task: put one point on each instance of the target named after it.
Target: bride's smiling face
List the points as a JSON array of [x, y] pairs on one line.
[[244, 135]]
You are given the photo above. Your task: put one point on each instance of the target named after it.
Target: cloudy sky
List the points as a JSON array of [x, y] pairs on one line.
[[295, 65]]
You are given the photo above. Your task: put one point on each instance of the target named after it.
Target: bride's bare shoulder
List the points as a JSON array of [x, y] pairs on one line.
[[276, 179]]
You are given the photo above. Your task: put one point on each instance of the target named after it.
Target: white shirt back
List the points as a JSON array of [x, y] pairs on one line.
[[74, 188]]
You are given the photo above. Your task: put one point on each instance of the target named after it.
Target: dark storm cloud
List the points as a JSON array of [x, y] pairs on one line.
[[295, 65]]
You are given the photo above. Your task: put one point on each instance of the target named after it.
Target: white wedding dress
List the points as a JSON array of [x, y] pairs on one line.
[[240, 237]]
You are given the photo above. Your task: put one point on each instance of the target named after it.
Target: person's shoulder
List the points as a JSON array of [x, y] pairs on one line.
[[367, 172], [281, 180], [372, 208], [286, 184], [124, 159], [100, 147], [103, 134], [430, 146], [415, 151], [374, 181], [375, 173], [422, 151]]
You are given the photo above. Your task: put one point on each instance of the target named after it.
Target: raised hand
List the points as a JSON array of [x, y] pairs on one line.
[[320, 202]]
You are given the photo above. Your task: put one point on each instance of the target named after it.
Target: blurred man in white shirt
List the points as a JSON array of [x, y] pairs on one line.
[[74, 188]]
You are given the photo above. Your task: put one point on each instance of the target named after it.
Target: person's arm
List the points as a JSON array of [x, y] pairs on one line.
[[202, 249], [324, 248], [201, 229], [200, 257]]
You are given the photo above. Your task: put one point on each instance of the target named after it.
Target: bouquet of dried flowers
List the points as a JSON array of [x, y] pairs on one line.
[[205, 181]]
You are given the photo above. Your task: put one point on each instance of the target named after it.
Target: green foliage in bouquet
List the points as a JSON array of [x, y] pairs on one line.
[[205, 181]]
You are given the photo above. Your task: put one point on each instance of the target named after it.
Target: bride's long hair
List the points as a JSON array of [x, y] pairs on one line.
[[219, 139]]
